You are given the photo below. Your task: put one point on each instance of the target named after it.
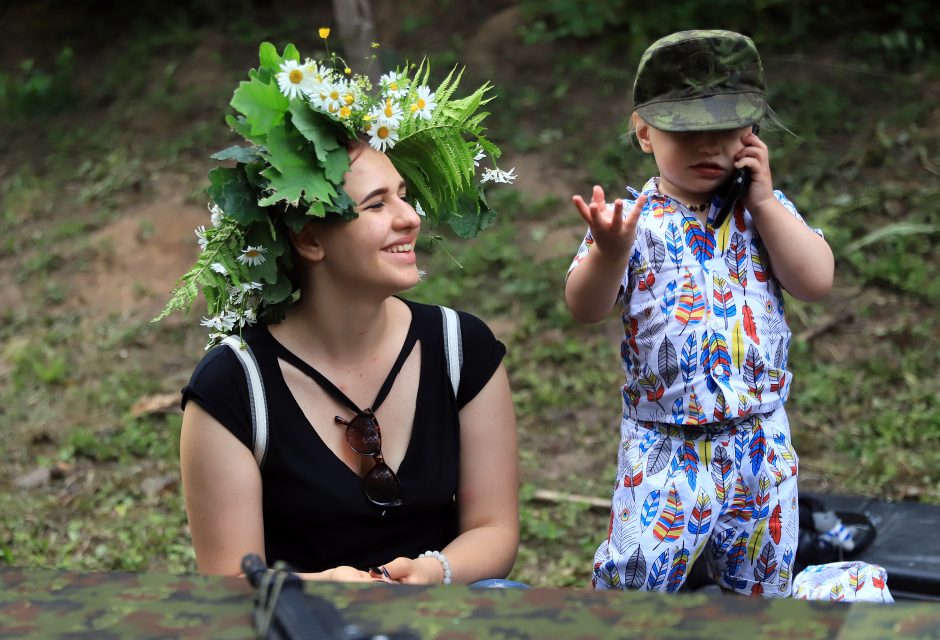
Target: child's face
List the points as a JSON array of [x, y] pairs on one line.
[[693, 164]]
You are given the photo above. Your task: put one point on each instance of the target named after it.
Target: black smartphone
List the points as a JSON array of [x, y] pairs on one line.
[[733, 190]]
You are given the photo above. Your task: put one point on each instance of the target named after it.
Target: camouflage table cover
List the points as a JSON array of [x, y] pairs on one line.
[[39, 603]]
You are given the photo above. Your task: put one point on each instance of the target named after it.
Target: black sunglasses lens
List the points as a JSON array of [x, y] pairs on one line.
[[382, 487], [362, 433]]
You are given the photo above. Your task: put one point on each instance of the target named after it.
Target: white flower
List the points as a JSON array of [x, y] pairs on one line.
[[292, 80], [419, 209], [333, 96], [393, 84], [315, 77], [424, 103], [201, 237], [229, 319], [218, 267], [216, 217], [389, 114], [213, 323], [249, 317], [252, 256], [214, 339], [498, 175], [384, 136], [481, 154]]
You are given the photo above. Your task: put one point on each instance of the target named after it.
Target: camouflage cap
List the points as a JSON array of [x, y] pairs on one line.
[[702, 80]]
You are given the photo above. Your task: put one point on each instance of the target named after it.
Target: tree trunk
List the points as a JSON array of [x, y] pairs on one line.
[[357, 33]]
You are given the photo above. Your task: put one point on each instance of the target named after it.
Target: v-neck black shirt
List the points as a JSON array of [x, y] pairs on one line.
[[315, 513]]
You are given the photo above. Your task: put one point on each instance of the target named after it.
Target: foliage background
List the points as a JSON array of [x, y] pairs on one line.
[[108, 112]]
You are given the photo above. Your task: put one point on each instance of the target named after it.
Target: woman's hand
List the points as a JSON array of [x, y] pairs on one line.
[[339, 574], [415, 571]]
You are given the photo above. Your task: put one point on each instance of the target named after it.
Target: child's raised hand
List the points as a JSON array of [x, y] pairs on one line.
[[756, 157], [613, 233]]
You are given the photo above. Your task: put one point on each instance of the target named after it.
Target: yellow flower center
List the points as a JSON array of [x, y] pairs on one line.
[[389, 111], [334, 95], [382, 132], [393, 86], [345, 112], [296, 75], [349, 98], [253, 253]]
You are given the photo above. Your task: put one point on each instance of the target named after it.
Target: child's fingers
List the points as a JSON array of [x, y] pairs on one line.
[[637, 209], [583, 209], [597, 197], [616, 221]]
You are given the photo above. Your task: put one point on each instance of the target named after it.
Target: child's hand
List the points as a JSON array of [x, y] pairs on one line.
[[613, 234], [756, 158]]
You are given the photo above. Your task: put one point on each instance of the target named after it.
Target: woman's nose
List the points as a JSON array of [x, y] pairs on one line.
[[407, 216]]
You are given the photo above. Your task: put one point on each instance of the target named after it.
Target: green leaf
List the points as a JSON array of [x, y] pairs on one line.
[[294, 173], [267, 53], [316, 128], [890, 231], [291, 52], [337, 164], [229, 188], [263, 105], [238, 153]]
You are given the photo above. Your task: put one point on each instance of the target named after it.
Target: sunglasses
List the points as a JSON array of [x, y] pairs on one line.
[[364, 436]]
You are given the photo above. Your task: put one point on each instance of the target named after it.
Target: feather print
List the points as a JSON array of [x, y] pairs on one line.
[[778, 380], [631, 395], [786, 452], [740, 444], [650, 508], [701, 243], [778, 356], [757, 590], [678, 412], [762, 497], [719, 360], [737, 345], [719, 543], [652, 324], [734, 584], [671, 521], [658, 458], [705, 453], [775, 526], [739, 217], [722, 236], [736, 260], [654, 389], [657, 251], [631, 335], [766, 566], [721, 473], [742, 504], [657, 573], [771, 317], [736, 555], [677, 572], [635, 571], [625, 533], [700, 518], [744, 405], [645, 277], [856, 578], [750, 328], [723, 303], [611, 574], [721, 407], [690, 462], [634, 478], [691, 306], [837, 593], [758, 260], [668, 362], [696, 415], [758, 447], [757, 539], [754, 373], [785, 565], [688, 359], [669, 298], [674, 245], [649, 439]]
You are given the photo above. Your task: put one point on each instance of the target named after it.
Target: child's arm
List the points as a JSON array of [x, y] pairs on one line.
[[592, 288], [801, 260]]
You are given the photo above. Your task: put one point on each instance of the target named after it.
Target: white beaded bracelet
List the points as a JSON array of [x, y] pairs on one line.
[[440, 557]]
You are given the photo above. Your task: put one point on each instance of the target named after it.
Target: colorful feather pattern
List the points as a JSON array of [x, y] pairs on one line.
[[754, 373], [677, 572], [759, 261], [678, 412], [691, 307], [646, 278], [700, 518], [786, 564], [650, 508], [657, 251], [721, 472], [696, 414], [758, 447], [668, 302], [736, 261], [635, 571], [674, 245], [766, 566], [723, 300], [737, 345], [775, 526], [671, 521], [657, 573], [701, 244], [690, 462], [688, 359], [737, 554], [742, 504], [658, 458], [750, 327], [719, 358]]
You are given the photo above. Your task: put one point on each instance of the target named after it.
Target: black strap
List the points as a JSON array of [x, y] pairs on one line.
[[333, 391]]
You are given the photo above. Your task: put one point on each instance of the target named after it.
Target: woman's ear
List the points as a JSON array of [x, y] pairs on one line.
[[642, 131], [307, 242]]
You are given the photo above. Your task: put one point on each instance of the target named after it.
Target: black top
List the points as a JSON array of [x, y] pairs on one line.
[[316, 515]]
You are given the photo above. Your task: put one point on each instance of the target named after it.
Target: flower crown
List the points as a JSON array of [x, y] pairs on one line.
[[298, 117]]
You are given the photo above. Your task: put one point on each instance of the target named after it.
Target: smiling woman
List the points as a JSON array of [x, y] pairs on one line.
[[330, 350]]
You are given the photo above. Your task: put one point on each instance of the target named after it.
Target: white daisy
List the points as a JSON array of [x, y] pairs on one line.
[[201, 237], [216, 217], [331, 96], [389, 113], [250, 316], [292, 79], [424, 103], [218, 267], [229, 319], [498, 175], [384, 136], [393, 84], [252, 256], [315, 77]]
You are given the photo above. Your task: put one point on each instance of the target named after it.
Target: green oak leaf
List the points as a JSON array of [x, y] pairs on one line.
[[263, 105]]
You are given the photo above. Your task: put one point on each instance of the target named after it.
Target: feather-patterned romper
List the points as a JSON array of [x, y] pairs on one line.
[[705, 464]]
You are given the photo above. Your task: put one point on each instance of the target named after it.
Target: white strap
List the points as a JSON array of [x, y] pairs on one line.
[[256, 397], [453, 348]]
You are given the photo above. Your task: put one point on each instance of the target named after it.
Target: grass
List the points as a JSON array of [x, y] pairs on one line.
[[862, 165]]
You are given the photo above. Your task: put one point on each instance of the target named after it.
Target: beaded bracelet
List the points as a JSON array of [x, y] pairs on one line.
[[440, 557]]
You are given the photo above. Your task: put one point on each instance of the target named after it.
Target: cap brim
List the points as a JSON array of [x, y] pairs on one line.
[[714, 113]]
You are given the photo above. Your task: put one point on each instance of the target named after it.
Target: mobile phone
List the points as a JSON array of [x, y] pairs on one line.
[[733, 190]]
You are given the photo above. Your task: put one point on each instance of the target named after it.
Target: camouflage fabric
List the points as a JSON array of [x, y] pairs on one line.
[[37, 603], [700, 81]]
